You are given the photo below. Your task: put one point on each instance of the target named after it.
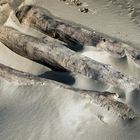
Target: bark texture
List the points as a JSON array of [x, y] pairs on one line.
[[103, 99], [59, 57]]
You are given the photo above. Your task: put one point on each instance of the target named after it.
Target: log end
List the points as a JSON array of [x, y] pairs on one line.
[[113, 47], [22, 12], [122, 110]]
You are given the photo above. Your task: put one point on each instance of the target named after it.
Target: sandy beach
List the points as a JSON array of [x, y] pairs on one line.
[[33, 112]]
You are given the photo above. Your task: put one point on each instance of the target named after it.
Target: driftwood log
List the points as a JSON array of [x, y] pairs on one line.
[[75, 35], [103, 99], [59, 57]]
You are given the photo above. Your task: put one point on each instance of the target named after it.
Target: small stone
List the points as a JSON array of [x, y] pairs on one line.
[[84, 10], [72, 2]]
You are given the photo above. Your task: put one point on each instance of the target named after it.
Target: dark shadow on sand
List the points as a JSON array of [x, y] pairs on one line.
[[62, 77]]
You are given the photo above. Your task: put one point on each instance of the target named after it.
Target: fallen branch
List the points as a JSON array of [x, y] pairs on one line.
[[59, 57], [103, 99]]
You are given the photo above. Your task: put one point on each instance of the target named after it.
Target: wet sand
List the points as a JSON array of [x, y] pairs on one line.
[[40, 113]]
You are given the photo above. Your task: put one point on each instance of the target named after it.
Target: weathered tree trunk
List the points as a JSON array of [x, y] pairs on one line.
[[59, 57], [103, 99], [75, 35]]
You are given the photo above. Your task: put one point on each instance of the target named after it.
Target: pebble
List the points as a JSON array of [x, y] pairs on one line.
[[84, 10]]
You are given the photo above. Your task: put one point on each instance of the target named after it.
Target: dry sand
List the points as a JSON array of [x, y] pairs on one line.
[[40, 113]]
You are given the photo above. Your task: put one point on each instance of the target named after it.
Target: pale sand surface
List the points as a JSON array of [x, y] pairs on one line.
[[40, 113]]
